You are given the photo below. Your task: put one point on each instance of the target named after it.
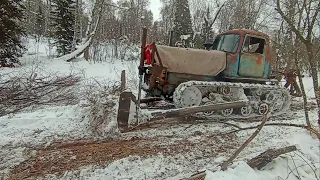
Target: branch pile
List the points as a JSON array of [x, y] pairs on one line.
[[18, 92], [102, 101]]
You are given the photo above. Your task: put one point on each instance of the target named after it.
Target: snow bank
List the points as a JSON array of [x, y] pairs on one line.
[[303, 163], [42, 126]]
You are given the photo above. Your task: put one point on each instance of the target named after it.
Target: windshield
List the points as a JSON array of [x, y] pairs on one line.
[[227, 43]]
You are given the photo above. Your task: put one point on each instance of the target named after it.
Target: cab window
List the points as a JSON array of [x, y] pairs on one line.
[[227, 43], [253, 45]]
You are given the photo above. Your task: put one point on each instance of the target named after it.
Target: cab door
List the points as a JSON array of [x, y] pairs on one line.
[[252, 57]]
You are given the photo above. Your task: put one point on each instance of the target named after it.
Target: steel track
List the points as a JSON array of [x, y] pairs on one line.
[[208, 86]]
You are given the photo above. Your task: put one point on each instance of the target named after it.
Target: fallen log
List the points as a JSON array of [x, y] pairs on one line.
[[266, 157], [258, 162]]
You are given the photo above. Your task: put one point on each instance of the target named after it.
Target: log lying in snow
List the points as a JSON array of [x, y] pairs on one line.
[[258, 162], [266, 157]]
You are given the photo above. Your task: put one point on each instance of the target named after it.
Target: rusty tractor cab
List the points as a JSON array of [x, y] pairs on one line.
[[234, 56]]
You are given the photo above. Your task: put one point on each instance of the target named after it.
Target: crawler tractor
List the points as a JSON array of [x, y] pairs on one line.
[[235, 66]]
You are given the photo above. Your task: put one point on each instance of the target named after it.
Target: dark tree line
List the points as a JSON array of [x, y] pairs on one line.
[[11, 14]]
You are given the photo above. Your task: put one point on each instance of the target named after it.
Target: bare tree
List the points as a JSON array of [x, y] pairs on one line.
[[308, 10], [241, 14]]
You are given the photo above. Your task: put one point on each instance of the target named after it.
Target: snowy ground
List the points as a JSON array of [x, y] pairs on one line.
[[192, 148]]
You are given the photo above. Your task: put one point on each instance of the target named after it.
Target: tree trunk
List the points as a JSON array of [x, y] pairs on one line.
[[314, 74], [298, 67], [305, 101]]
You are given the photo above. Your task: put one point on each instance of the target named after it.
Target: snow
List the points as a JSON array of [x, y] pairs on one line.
[[22, 132], [34, 128], [45, 125], [304, 163], [184, 165]]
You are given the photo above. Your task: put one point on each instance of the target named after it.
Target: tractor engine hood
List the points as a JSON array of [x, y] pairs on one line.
[[191, 61]]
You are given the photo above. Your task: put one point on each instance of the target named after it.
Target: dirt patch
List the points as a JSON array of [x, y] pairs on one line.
[[298, 105], [63, 157]]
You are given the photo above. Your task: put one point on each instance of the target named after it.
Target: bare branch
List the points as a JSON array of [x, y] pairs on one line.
[[313, 21], [217, 14], [245, 144], [293, 28]]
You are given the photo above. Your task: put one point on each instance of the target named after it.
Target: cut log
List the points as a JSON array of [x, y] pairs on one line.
[[266, 157], [258, 162]]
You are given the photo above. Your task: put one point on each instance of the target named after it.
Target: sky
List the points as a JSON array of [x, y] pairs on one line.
[[155, 8]]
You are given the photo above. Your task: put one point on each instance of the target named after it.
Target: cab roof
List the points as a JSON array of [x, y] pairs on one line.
[[246, 31]]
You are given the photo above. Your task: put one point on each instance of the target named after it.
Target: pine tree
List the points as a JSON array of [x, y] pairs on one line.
[[182, 20], [11, 16], [63, 15], [40, 23]]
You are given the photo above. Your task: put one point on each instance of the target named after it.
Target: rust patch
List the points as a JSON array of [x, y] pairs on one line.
[[268, 52], [259, 60], [251, 65]]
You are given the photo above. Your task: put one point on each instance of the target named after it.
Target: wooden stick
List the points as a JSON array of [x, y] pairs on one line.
[[123, 80], [226, 163]]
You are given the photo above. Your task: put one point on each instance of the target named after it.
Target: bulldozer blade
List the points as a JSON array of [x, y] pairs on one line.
[[127, 109], [127, 106], [125, 101]]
